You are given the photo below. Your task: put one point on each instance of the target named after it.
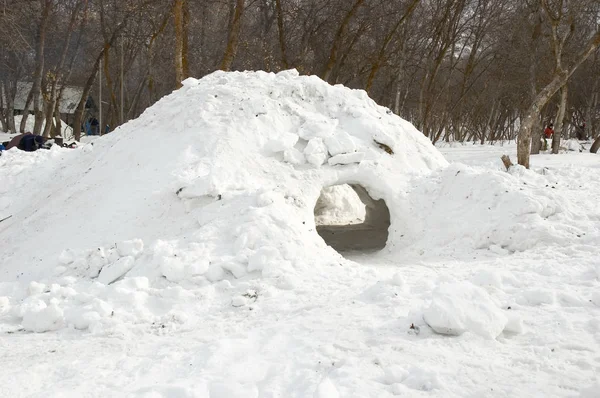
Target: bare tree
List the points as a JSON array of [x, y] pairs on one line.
[[237, 11], [555, 13]]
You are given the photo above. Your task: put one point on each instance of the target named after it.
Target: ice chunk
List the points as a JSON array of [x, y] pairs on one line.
[[36, 288], [316, 152], [42, 317], [116, 270], [514, 323], [459, 307], [340, 142]]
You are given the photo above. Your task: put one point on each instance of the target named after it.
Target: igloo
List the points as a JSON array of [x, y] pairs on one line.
[[221, 178]]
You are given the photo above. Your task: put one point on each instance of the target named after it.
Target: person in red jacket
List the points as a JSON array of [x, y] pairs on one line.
[[548, 133]]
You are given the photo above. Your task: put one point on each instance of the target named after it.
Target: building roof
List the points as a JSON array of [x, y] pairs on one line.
[[68, 102]]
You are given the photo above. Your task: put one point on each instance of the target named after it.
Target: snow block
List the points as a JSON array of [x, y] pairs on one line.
[[340, 142], [116, 270], [294, 156], [316, 152], [460, 307], [40, 317], [346, 158], [317, 128], [283, 142]]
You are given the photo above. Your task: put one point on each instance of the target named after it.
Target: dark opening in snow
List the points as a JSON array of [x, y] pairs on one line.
[[348, 219]]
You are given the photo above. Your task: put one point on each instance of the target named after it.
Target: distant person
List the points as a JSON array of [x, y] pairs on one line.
[[26, 142], [14, 142], [31, 143], [548, 133], [95, 126]]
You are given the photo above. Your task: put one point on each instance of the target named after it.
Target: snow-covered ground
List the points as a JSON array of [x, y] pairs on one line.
[[176, 257]]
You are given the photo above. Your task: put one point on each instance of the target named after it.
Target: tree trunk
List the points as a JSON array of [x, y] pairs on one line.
[[178, 16], [185, 45], [49, 114], [337, 40], [57, 130], [281, 34], [10, 107], [386, 41], [53, 101], [536, 135], [111, 93], [78, 117], [595, 145], [233, 36], [26, 112], [3, 110], [560, 118], [36, 88]]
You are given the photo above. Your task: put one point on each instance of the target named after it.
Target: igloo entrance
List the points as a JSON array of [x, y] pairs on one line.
[[348, 219]]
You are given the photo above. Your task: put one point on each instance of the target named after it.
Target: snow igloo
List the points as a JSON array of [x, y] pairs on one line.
[[224, 177], [265, 148]]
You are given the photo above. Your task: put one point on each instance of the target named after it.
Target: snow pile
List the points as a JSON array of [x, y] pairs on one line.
[[573, 145], [339, 205], [460, 307], [461, 207], [218, 180]]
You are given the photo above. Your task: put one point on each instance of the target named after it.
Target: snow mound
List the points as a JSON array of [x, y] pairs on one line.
[[339, 205], [461, 207], [573, 145], [460, 307], [218, 180]]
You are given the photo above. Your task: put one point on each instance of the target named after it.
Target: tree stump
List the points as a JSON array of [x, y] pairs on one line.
[[506, 161]]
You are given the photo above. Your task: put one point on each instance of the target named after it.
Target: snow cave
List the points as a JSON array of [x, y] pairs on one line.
[[349, 219], [233, 190]]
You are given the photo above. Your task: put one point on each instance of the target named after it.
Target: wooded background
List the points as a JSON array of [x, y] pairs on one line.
[[457, 69]]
